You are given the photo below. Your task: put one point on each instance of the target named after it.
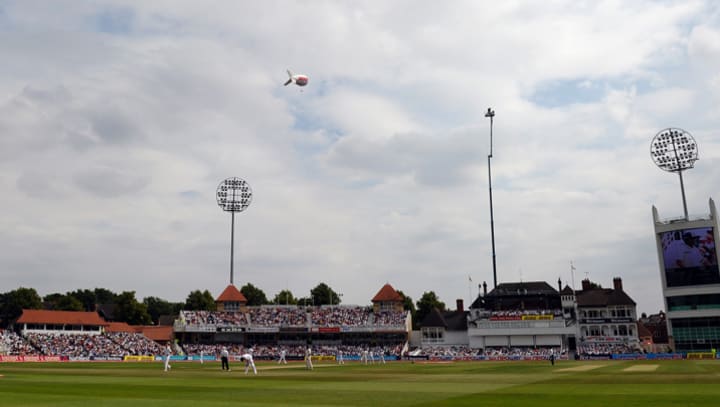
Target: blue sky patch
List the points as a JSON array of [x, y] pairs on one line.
[[579, 91], [189, 194], [115, 21], [568, 92]]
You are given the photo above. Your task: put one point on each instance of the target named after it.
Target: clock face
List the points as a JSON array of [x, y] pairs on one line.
[[674, 150], [234, 195]]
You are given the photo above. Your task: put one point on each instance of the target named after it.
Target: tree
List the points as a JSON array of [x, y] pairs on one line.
[[86, 298], [254, 295], [409, 306], [60, 302], [158, 307], [426, 303], [104, 296], [305, 301], [128, 309], [285, 297], [200, 301], [50, 301], [13, 302], [322, 294]]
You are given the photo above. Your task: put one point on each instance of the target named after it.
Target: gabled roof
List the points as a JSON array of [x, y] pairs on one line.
[[450, 320], [36, 316], [231, 294], [567, 291], [106, 311], [643, 331], [602, 297], [387, 294], [434, 319]]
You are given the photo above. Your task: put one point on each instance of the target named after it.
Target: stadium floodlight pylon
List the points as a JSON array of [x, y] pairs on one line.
[[233, 195], [675, 150]]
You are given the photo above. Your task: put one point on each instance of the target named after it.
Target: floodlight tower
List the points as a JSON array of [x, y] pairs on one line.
[[491, 113], [675, 150], [233, 195]]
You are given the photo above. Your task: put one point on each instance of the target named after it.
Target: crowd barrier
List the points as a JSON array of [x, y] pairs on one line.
[[645, 356], [34, 358], [212, 358], [139, 358]]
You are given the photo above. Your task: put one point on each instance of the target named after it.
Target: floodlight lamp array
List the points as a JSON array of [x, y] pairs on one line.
[[674, 150], [234, 195]]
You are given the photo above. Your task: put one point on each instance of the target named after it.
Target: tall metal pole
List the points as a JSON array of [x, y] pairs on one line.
[[491, 113], [232, 245], [682, 191]]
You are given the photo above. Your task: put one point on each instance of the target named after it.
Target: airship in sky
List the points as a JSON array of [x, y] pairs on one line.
[[300, 80]]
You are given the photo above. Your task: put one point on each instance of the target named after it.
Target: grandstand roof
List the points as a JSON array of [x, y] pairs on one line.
[[387, 294], [523, 288], [119, 327], [231, 294], [37, 316], [157, 333], [531, 293]]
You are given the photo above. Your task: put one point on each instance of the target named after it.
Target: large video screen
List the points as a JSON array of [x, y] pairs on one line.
[[690, 257]]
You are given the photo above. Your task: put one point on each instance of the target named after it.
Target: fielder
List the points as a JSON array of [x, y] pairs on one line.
[[248, 363], [308, 359], [168, 352]]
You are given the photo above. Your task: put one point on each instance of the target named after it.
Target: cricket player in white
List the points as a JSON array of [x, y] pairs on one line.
[[308, 359], [168, 352], [248, 362], [340, 359], [282, 357]]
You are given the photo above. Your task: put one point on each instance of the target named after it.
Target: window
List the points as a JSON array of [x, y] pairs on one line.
[[433, 335]]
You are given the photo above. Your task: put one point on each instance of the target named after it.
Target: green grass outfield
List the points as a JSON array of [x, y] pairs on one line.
[[535, 384]]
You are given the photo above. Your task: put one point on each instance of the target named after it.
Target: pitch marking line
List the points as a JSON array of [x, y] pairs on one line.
[[583, 368], [641, 368], [291, 367]]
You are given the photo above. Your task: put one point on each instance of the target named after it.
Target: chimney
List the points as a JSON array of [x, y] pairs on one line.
[[617, 283], [460, 307], [586, 284], [484, 288], [559, 284]]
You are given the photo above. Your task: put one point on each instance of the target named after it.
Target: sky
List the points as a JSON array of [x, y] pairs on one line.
[[120, 119]]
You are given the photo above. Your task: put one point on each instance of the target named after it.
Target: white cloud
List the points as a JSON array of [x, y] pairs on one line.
[[118, 121]]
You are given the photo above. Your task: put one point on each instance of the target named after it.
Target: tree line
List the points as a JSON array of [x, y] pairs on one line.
[[126, 308]]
